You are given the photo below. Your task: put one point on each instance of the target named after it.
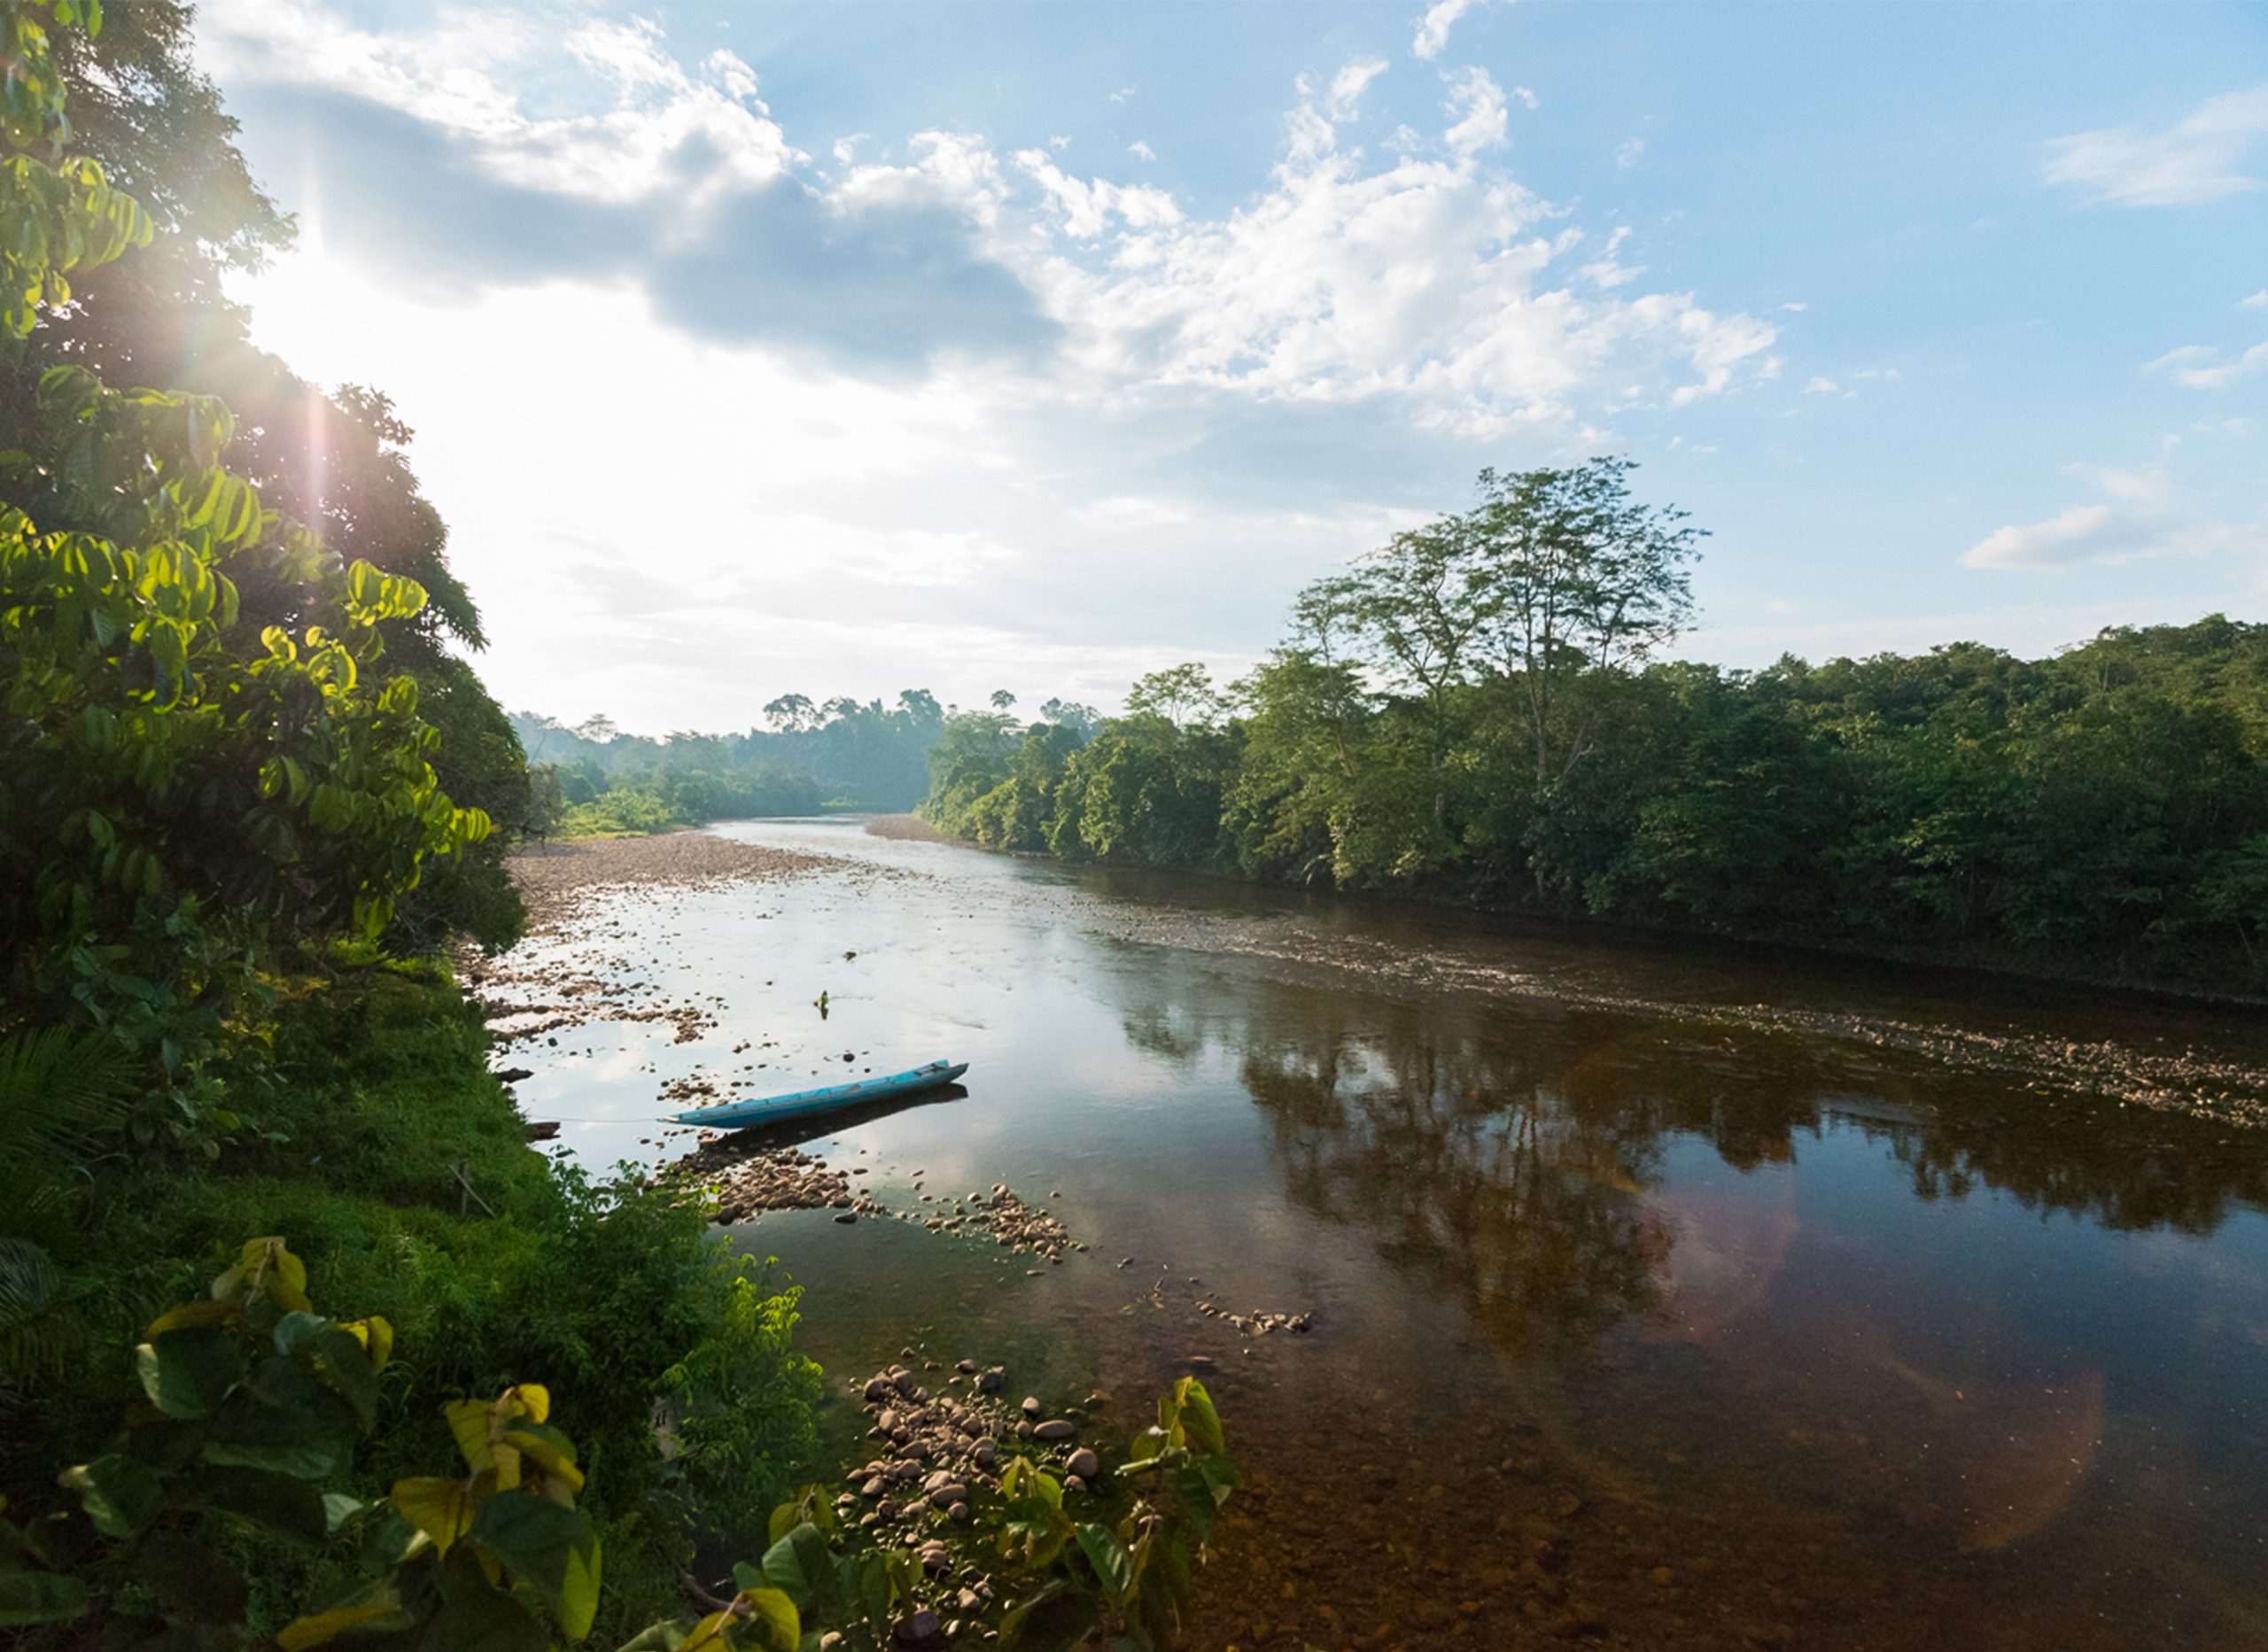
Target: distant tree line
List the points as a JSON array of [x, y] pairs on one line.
[[839, 753], [1479, 710]]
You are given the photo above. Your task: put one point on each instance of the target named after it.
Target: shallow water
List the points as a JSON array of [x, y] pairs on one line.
[[1684, 1298]]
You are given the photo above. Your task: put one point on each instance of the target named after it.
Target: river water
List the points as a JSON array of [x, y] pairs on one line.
[[1679, 1297]]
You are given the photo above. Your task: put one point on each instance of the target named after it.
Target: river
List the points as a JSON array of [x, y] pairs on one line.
[[1679, 1296]]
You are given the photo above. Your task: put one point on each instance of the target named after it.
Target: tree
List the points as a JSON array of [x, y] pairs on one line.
[[1002, 700], [1574, 576], [183, 784], [791, 713], [1183, 694], [598, 728]]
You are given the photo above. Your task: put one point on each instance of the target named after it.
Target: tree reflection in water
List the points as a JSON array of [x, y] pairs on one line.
[[1540, 1169]]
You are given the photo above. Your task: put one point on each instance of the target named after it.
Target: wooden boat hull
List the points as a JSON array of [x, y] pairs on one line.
[[807, 1104]]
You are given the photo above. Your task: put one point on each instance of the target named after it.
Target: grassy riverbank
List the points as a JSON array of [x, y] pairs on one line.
[[394, 1163]]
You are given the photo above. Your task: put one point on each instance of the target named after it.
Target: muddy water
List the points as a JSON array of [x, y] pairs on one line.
[[1671, 1298]]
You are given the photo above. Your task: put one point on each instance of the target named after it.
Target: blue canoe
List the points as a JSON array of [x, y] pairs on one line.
[[803, 1104]]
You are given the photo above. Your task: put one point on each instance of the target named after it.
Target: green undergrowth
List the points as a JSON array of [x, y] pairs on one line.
[[379, 1093]]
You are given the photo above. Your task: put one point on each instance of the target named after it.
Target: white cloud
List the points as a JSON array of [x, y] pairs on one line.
[[1088, 204], [2257, 301], [1435, 279], [1141, 150], [1479, 102], [2200, 159], [1434, 27], [1627, 153], [1348, 85], [1058, 141], [1795, 309], [1124, 94], [2199, 366], [2097, 533], [2150, 483], [1822, 386], [846, 149], [669, 132]]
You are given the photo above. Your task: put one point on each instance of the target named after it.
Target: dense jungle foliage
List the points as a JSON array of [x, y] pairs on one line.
[[1477, 711], [245, 780]]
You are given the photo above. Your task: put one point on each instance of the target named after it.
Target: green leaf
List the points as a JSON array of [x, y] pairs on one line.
[[39, 1597], [442, 1510], [304, 1444], [187, 1373], [119, 1495], [778, 1627], [1198, 1421], [281, 1502], [800, 1564], [552, 1548], [1108, 1556]]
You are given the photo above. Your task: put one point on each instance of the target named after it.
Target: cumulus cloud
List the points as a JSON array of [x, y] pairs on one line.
[[2256, 301], [2199, 159], [1434, 27], [1141, 150], [1435, 277], [1821, 386], [1627, 153]]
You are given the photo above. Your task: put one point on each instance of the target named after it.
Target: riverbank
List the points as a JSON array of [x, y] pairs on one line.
[[381, 1147]]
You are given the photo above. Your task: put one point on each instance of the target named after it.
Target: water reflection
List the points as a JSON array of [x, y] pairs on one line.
[[1616, 1197]]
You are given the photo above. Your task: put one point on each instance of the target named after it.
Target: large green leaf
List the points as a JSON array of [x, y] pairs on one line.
[[188, 1374], [801, 1564], [283, 1503], [551, 1548]]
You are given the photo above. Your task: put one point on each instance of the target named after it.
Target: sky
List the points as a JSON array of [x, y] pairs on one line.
[[848, 348]]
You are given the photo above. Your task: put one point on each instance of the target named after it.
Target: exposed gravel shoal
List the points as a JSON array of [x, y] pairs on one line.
[[555, 879]]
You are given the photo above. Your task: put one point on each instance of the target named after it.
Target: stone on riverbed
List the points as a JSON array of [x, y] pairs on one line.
[[1055, 1430]]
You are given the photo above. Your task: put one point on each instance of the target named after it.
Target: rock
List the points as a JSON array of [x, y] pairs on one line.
[[959, 1514], [1054, 1429], [1031, 1407], [913, 1630], [873, 1487], [846, 1215], [878, 1388], [989, 1383], [968, 1603], [1084, 1464]]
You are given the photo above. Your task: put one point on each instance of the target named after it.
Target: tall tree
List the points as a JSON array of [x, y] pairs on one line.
[[1575, 575]]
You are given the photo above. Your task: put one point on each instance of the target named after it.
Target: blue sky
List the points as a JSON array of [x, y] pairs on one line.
[[853, 347]]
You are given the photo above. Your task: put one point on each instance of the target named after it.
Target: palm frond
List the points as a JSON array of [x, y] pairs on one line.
[[59, 1089], [36, 1332]]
